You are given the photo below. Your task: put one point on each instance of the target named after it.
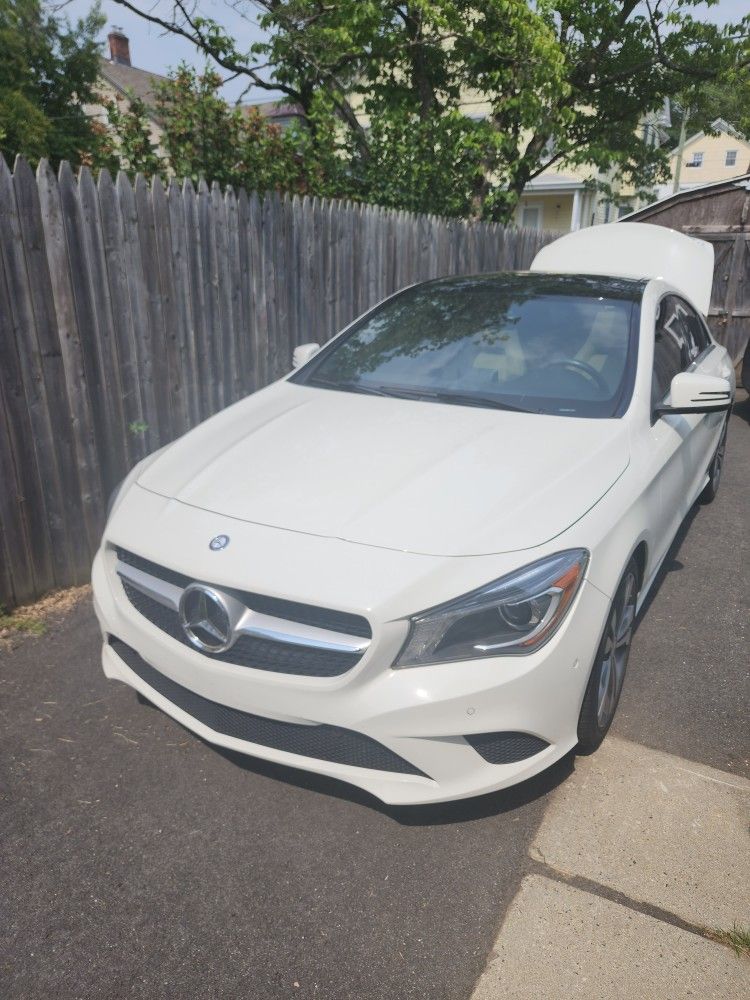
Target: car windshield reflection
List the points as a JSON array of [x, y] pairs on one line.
[[530, 343]]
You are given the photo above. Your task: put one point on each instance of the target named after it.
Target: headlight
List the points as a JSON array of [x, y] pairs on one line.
[[513, 615]]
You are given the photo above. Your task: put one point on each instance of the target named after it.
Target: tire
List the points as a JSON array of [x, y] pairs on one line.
[[715, 468], [608, 673], [745, 373]]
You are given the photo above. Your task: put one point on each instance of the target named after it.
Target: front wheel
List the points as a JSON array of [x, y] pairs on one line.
[[608, 673]]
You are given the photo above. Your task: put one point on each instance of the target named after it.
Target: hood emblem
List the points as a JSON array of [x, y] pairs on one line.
[[205, 619], [218, 542]]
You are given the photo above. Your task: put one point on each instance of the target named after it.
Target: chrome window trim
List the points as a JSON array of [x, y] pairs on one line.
[[246, 621], [700, 358]]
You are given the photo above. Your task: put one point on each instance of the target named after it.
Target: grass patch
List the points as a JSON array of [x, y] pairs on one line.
[[738, 939], [18, 625], [10, 623]]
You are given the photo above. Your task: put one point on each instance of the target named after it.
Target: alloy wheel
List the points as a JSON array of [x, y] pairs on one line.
[[616, 649]]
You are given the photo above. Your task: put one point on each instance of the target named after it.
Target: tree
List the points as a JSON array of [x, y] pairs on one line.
[[562, 81], [701, 106], [203, 136], [127, 141], [48, 73]]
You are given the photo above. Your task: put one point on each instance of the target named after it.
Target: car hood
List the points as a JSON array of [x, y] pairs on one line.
[[401, 474]]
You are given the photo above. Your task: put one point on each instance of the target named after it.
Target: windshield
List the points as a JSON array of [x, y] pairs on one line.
[[537, 343]]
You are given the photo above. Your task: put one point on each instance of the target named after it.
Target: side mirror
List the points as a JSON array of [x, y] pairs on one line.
[[692, 392], [303, 353]]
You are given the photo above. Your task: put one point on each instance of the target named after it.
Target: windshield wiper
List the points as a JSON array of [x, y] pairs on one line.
[[460, 398], [403, 392], [469, 399], [327, 383]]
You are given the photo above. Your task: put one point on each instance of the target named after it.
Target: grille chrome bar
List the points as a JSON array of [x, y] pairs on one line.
[[248, 622]]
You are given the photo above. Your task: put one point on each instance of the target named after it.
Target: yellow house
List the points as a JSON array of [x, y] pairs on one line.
[[708, 158], [562, 202]]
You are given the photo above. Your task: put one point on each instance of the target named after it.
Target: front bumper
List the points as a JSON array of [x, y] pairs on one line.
[[420, 714]]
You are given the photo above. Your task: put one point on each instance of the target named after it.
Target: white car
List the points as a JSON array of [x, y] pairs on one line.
[[415, 563]]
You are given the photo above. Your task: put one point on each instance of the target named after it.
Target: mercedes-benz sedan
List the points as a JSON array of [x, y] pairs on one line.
[[415, 563]]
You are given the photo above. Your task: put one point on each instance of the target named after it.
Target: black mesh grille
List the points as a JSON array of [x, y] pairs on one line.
[[248, 650], [306, 614], [506, 748], [323, 742]]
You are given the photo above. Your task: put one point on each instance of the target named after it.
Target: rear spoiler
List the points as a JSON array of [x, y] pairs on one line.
[[635, 250]]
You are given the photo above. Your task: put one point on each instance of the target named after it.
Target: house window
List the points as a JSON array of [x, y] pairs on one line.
[[531, 217], [624, 210], [730, 160], [697, 160]]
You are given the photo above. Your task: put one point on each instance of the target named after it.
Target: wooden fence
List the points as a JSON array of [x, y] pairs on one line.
[[130, 312]]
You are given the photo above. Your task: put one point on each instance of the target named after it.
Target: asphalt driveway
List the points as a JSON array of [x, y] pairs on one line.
[[138, 861]]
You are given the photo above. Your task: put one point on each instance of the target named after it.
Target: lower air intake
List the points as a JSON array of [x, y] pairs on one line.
[[331, 743], [506, 748]]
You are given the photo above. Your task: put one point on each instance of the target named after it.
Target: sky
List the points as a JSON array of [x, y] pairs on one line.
[[151, 49]]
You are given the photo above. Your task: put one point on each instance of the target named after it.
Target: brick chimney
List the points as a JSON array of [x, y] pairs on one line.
[[119, 46]]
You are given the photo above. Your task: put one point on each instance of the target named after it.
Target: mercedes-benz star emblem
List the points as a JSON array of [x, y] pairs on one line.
[[218, 543], [205, 619]]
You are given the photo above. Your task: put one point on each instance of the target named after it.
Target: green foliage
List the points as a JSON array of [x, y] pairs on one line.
[[206, 137], [48, 72], [10, 623], [433, 164], [128, 142], [729, 100], [737, 938], [559, 83]]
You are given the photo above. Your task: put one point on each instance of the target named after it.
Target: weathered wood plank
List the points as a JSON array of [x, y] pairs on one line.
[[103, 334], [212, 330], [153, 332], [17, 579], [185, 356], [22, 326], [170, 332], [146, 433], [127, 376], [20, 498], [236, 317], [245, 317], [82, 424], [200, 346], [224, 332], [92, 333], [269, 233], [258, 309]]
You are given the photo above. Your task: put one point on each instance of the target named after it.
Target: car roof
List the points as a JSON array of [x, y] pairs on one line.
[[546, 283]]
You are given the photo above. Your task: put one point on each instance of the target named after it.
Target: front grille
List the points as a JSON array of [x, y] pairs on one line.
[[506, 748], [321, 742], [248, 650], [306, 614]]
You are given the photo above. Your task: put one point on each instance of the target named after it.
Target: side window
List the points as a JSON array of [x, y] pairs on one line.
[[692, 325], [671, 350]]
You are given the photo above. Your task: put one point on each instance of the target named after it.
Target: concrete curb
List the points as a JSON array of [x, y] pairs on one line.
[[638, 855]]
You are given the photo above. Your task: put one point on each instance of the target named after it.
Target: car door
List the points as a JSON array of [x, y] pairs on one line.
[[675, 439], [709, 359]]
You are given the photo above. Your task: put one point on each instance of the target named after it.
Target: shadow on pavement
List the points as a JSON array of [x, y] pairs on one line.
[[671, 563]]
